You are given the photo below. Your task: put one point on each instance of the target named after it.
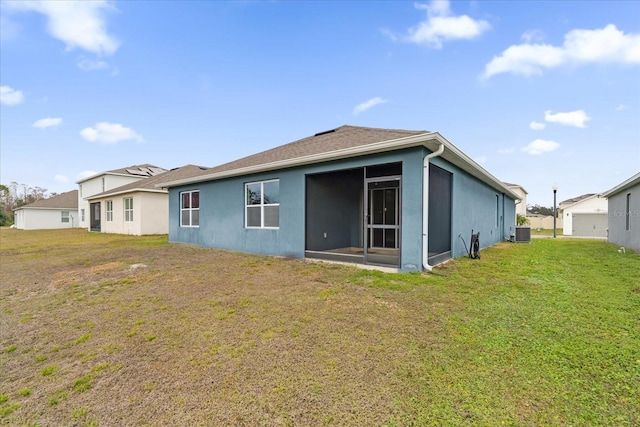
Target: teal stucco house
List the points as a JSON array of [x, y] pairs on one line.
[[396, 198]]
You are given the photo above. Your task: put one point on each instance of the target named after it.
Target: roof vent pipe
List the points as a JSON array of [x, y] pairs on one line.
[[425, 206]]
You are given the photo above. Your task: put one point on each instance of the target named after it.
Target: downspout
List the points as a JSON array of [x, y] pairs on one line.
[[425, 205]]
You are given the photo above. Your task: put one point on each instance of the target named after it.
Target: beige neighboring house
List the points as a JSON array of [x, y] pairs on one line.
[[140, 207], [59, 211], [521, 206], [90, 211], [584, 216]]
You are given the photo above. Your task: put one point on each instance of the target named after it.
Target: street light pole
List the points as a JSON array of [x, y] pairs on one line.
[[555, 190]]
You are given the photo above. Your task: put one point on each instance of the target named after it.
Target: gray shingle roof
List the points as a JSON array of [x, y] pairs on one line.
[[577, 199], [68, 200], [322, 142], [152, 183]]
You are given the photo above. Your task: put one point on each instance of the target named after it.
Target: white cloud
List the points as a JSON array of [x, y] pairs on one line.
[[621, 107], [61, 179], [537, 125], [79, 24], [441, 25], [533, 36], [506, 150], [573, 118], [540, 146], [91, 65], [368, 104], [47, 122], [85, 174], [10, 96], [109, 133], [605, 45]]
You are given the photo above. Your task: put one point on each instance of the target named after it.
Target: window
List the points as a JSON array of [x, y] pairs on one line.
[[190, 209], [103, 187], [109, 209], [82, 215], [627, 212], [497, 211], [128, 209], [65, 216], [262, 204]]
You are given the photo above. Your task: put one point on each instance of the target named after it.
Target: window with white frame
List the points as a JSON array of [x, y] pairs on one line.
[[109, 210], [82, 215], [65, 216], [190, 208], [128, 209], [262, 204]]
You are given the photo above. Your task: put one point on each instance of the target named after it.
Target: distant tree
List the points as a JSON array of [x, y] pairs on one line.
[[540, 210], [521, 220], [14, 195]]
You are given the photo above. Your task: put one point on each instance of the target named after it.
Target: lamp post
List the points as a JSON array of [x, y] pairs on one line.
[[555, 190]]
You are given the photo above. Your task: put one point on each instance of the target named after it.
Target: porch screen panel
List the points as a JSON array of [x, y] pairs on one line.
[[439, 210]]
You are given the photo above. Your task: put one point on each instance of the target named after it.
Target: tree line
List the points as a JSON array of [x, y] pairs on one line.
[[15, 195]]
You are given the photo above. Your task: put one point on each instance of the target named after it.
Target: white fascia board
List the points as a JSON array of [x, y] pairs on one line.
[[430, 140], [634, 180], [118, 193]]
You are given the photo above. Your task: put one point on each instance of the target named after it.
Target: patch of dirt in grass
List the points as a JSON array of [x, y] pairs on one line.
[[199, 337]]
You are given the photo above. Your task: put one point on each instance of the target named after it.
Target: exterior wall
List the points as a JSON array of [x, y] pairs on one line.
[[544, 222], [593, 204], [41, 219], [94, 186], [475, 206], [479, 208], [618, 233], [149, 214], [521, 208]]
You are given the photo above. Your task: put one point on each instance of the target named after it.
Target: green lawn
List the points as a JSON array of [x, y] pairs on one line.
[[100, 329]]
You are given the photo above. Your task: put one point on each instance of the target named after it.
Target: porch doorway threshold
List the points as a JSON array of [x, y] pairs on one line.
[[378, 257]]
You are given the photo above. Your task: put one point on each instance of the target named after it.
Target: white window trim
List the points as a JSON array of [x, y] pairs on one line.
[[108, 206], [67, 217], [130, 210], [190, 209], [262, 205]]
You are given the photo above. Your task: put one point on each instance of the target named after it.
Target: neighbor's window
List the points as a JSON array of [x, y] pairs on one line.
[[128, 209], [190, 208], [628, 212], [262, 204], [65, 216], [82, 215], [109, 210]]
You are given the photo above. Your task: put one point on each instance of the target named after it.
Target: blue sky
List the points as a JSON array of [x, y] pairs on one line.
[[536, 92]]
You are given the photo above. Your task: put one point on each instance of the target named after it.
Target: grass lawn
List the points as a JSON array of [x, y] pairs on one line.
[[106, 330]]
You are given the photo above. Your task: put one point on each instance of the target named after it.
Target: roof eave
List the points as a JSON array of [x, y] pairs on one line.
[[118, 193], [429, 140], [634, 180]]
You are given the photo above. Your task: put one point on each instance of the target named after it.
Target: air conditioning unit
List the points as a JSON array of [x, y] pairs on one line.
[[520, 234]]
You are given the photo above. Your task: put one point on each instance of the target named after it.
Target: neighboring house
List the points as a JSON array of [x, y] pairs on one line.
[[624, 213], [59, 211], [521, 205], [584, 216], [397, 198], [99, 183], [140, 207]]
